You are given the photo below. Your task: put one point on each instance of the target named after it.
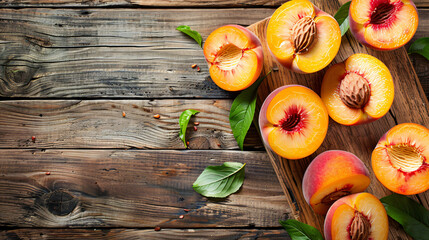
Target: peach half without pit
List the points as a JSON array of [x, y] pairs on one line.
[[235, 57], [293, 121], [303, 38], [400, 160], [358, 216], [332, 175], [357, 91], [383, 24]]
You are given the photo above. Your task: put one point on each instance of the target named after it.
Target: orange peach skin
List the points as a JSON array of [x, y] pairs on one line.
[[280, 40], [296, 144], [396, 32], [397, 180], [330, 172], [235, 57], [381, 90], [340, 216]]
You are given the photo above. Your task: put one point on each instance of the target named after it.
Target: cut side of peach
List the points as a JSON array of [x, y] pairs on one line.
[[235, 57], [383, 24], [295, 122], [357, 212], [346, 100], [303, 38], [400, 159]]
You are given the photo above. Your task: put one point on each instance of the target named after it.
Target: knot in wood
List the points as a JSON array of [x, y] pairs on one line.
[[360, 227], [354, 90], [303, 33], [60, 202]]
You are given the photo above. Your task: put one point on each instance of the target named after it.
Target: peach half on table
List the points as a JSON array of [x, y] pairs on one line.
[[357, 91], [303, 38], [293, 121], [400, 160], [357, 216], [235, 57], [383, 24], [332, 175]]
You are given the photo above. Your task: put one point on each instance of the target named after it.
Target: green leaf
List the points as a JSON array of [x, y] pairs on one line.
[[342, 17], [220, 181], [191, 33], [301, 231], [243, 110], [183, 123], [420, 46], [413, 217]]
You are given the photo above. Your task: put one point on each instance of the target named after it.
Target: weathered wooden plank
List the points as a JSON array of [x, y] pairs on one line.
[[129, 234], [105, 188], [100, 124], [410, 105], [155, 3], [109, 52], [116, 53]]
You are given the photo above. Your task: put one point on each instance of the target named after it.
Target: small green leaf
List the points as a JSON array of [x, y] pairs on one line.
[[342, 17], [420, 46], [301, 231], [220, 181], [183, 123], [191, 33], [413, 217], [243, 110]]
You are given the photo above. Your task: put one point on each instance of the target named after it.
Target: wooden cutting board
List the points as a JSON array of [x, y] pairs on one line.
[[410, 105]]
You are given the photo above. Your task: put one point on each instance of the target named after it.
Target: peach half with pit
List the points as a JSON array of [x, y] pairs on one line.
[[235, 57], [357, 91], [332, 175], [303, 38], [293, 121], [356, 216], [400, 160], [383, 24]]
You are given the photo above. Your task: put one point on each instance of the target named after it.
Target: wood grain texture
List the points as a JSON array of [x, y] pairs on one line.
[[117, 53], [133, 234], [100, 124], [410, 105], [105, 188], [155, 3], [105, 53]]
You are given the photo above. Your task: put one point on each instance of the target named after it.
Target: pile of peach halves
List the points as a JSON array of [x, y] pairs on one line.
[[294, 120]]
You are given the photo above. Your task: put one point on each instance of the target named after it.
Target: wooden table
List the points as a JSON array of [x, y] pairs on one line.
[[71, 69]]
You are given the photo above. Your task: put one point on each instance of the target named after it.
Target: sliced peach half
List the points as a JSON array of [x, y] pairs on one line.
[[359, 90], [303, 38], [357, 216], [293, 121], [400, 160], [235, 57], [331, 176], [383, 24]]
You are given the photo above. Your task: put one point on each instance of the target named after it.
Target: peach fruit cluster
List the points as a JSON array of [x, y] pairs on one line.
[[293, 119]]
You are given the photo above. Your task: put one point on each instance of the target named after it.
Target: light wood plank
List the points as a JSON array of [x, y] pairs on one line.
[[118, 53], [155, 3], [128, 234], [100, 53], [104, 188], [100, 124]]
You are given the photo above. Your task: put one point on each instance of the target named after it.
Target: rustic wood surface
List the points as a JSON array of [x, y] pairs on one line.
[[132, 188], [68, 69], [134, 234], [96, 124], [359, 140], [157, 3]]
